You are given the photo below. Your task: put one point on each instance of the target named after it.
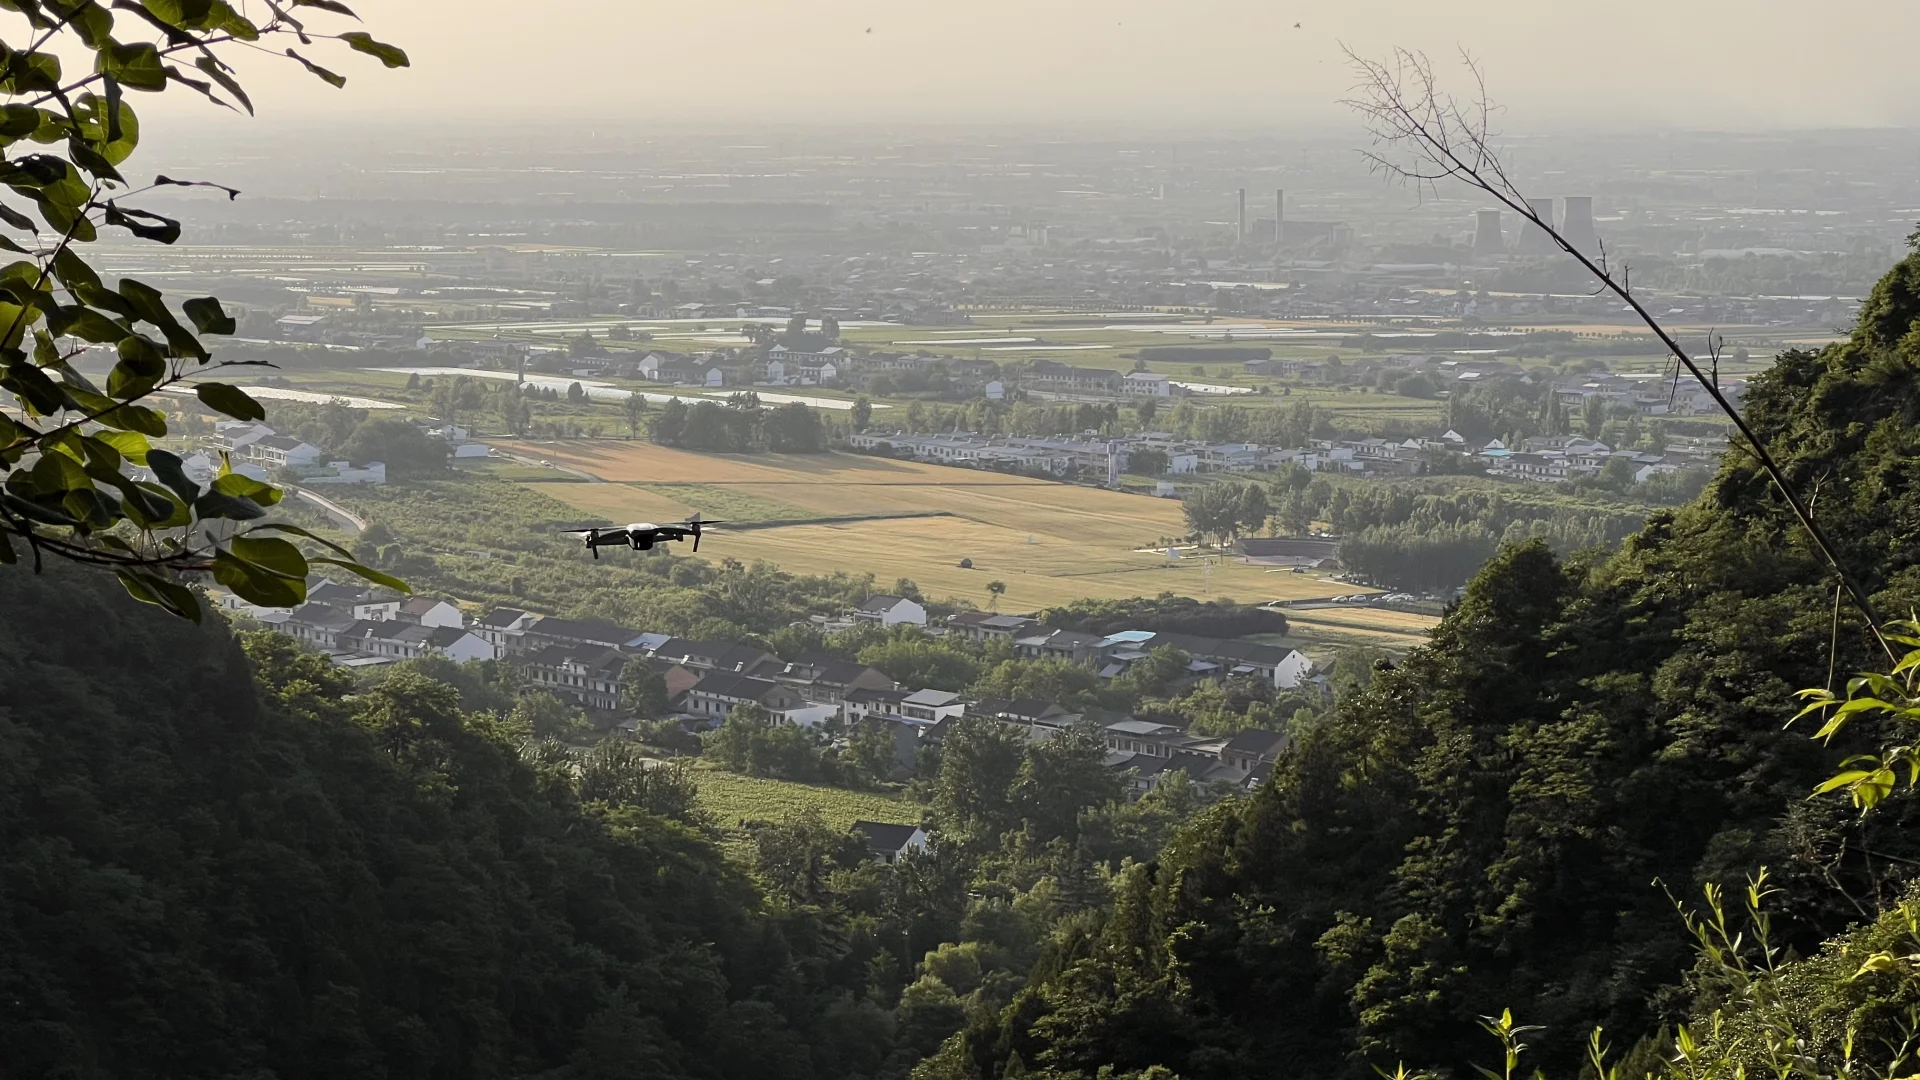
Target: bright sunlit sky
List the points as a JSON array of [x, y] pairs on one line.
[[1223, 65]]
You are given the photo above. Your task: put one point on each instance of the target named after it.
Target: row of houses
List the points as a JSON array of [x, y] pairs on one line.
[[1548, 460], [1112, 654], [587, 661]]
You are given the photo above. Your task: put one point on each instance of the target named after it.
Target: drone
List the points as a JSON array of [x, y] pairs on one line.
[[641, 535]]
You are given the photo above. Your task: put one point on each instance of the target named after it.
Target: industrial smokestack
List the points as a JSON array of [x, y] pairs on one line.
[[1534, 239], [1243, 213], [1486, 234], [1578, 228], [1279, 215]]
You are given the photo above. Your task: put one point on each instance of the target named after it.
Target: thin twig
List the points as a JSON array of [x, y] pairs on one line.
[[1406, 108]]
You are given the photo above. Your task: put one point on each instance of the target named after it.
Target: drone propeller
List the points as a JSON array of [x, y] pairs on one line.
[[590, 537], [694, 524]]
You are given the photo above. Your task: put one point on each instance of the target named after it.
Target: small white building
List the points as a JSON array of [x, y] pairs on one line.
[[429, 611], [996, 390], [889, 842], [889, 610], [341, 472], [1293, 671], [1146, 384], [932, 706]]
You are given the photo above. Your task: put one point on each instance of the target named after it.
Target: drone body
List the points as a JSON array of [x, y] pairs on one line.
[[641, 535]]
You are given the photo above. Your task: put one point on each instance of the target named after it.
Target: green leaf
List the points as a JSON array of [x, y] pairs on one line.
[[73, 271], [334, 6], [281, 526], [336, 81], [131, 444], [142, 223], [33, 73], [136, 66], [16, 219], [256, 584], [215, 504], [87, 324], [109, 124], [128, 380], [272, 554], [56, 471], [165, 466], [231, 400], [85, 156], [18, 121], [150, 589], [141, 352], [149, 422], [147, 301], [207, 315], [40, 393], [164, 180], [389, 55], [242, 486], [219, 74], [370, 574]]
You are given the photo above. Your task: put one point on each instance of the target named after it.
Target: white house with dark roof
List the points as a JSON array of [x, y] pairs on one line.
[[390, 639], [890, 842], [429, 611], [503, 627], [281, 452], [317, 624], [932, 705], [889, 610], [589, 675], [718, 693], [871, 704]]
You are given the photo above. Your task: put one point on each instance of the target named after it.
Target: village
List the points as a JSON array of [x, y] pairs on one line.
[[588, 662]]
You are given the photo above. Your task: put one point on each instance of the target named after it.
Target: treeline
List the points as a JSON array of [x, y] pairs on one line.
[[1205, 354], [741, 425], [1432, 535], [344, 433], [1167, 614], [1290, 424]]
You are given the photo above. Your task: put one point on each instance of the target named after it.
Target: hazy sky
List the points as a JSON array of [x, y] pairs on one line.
[[1214, 64]]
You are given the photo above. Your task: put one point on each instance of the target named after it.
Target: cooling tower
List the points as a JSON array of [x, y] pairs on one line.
[[1578, 227], [1534, 239], [1486, 234]]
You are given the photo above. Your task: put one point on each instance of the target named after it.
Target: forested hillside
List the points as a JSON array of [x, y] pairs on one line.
[[1491, 823], [202, 883]]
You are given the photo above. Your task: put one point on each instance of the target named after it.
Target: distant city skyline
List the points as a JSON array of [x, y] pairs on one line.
[[1155, 65]]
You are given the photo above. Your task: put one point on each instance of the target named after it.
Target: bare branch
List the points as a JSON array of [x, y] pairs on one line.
[[1422, 135]]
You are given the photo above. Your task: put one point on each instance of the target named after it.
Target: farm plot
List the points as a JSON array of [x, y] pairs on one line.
[[732, 799], [1050, 543]]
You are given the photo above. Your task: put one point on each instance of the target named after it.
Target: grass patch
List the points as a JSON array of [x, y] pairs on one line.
[[729, 504], [731, 799]]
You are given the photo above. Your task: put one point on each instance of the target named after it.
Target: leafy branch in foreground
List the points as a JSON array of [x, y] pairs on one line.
[[79, 477], [1424, 135], [1845, 1013], [1893, 698]]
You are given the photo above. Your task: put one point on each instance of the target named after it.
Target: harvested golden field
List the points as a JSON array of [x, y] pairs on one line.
[[1050, 543], [1376, 625]]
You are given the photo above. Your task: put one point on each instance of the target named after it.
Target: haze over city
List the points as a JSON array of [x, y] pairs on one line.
[[1145, 65]]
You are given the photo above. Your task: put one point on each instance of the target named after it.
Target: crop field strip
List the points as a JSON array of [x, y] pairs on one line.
[[1051, 543]]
